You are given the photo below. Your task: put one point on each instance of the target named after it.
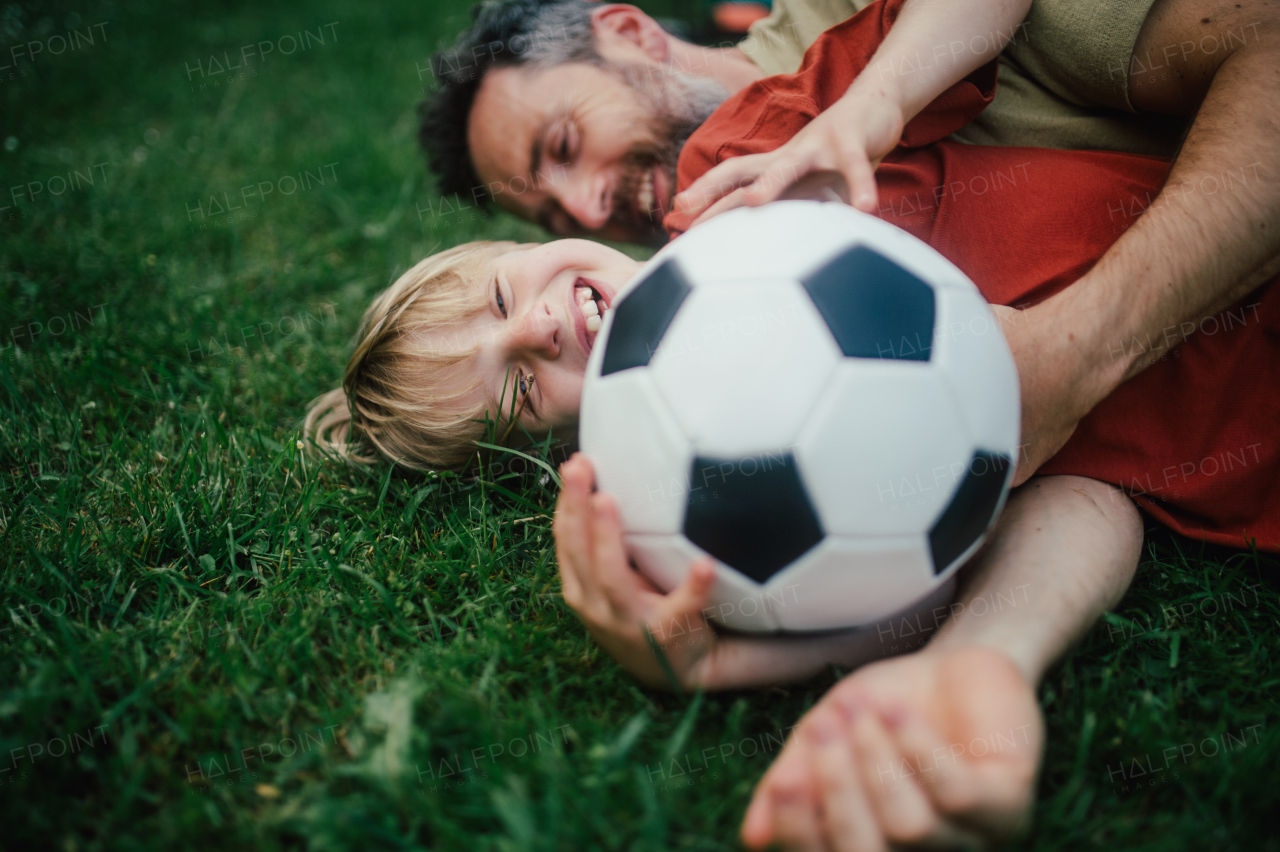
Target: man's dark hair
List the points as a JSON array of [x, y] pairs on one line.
[[511, 32]]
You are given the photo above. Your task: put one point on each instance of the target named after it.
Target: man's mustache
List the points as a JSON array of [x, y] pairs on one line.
[[640, 163]]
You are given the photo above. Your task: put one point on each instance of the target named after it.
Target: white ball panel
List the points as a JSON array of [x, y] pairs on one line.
[[821, 219], [739, 603], [887, 468], [742, 365], [844, 582], [970, 350], [639, 453], [750, 243]]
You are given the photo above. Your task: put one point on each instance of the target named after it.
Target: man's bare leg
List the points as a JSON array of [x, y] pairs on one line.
[[944, 745]]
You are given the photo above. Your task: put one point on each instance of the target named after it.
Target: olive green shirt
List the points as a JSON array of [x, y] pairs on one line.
[[1063, 77]]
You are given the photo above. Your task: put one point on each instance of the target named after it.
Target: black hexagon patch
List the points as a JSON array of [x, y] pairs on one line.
[[642, 317], [971, 510], [753, 513], [874, 307]]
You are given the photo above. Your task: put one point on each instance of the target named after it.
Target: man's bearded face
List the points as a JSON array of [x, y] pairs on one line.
[[678, 105], [585, 149]]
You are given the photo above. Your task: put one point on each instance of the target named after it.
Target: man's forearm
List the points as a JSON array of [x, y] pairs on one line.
[[1213, 233], [1063, 552]]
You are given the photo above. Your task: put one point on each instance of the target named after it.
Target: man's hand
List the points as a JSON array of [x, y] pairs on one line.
[[847, 141], [616, 603], [932, 749]]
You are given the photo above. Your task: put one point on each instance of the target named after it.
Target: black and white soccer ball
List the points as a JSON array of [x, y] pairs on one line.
[[815, 398]]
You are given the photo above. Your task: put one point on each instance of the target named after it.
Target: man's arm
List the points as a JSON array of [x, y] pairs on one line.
[[1208, 239], [1063, 552]]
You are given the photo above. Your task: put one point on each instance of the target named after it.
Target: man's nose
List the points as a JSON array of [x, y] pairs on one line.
[[589, 200], [535, 332]]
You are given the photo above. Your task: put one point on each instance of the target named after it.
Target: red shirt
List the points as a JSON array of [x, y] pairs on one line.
[[1195, 439]]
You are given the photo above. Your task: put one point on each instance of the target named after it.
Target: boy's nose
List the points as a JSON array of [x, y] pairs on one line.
[[536, 332]]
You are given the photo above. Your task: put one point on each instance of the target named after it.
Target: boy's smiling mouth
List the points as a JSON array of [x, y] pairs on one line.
[[590, 301]]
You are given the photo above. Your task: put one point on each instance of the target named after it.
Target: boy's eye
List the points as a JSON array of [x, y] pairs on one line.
[[525, 384]]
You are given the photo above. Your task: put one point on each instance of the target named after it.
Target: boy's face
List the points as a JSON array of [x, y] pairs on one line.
[[535, 332]]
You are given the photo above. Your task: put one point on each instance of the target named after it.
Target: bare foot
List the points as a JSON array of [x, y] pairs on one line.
[[938, 747]]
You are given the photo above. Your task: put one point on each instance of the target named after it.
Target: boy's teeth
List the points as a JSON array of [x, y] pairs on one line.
[[593, 323], [590, 308]]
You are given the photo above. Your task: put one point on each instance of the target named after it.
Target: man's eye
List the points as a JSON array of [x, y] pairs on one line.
[[563, 145]]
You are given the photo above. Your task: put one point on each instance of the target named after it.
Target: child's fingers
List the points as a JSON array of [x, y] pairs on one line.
[[902, 809], [680, 611], [759, 825], [781, 174], [949, 780], [736, 198], [572, 526], [848, 822], [690, 597], [860, 175], [797, 825], [577, 471], [991, 794], [715, 183], [609, 572]]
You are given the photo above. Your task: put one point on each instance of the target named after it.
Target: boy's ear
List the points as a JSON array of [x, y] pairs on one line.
[[622, 31]]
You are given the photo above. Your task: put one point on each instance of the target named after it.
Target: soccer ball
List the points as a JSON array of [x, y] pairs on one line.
[[813, 397]]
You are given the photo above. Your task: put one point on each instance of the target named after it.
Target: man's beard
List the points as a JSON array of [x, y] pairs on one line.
[[679, 104]]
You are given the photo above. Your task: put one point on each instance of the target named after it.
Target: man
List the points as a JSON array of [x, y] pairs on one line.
[[674, 86], [571, 114], [1206, 253]]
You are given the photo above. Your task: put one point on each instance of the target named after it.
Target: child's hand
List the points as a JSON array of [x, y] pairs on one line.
[[615, 602], [847, 142], [930, 750]]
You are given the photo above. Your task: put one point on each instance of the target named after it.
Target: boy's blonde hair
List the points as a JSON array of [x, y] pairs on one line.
[[393, 401]]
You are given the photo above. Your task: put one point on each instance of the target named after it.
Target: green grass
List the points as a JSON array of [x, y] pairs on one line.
[[180, 588]]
